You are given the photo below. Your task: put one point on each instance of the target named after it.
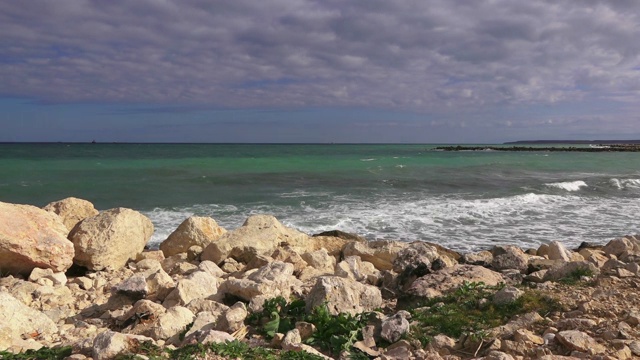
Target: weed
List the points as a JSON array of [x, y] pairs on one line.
[[335, 333], [56, 353], [469, 311], [576, 276]]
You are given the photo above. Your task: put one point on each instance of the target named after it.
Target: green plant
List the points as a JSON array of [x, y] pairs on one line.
[[576, 276], [336, 332], [45, 353], [469, 310], [277, 316]]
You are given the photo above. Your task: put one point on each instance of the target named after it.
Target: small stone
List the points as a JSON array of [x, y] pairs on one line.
[[394, 327], [306, 329], [507, 295], [135, 287], [524, 335], [580, 341], [634, 346]]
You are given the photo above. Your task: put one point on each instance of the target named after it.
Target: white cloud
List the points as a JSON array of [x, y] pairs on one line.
[[402, 55]]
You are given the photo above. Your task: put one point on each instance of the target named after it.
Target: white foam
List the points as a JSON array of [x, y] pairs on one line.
[[464, 224], [625, 183], [568, 185], [371, 159]]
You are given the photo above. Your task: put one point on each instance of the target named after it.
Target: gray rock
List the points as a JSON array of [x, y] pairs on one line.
[[507, 295], [110, 344], [448, 279], [394, 327], [342, 295], [509, 257], [135, 287]]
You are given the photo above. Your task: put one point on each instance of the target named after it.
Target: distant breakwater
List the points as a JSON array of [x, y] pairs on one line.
[[597, 148]]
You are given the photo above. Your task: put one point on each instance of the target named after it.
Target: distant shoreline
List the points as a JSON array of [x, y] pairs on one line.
[[587, 142], [599, 148]]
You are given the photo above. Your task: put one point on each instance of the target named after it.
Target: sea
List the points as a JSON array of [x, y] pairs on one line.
[[464, 200]]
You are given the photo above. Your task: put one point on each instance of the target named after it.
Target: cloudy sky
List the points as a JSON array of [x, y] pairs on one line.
[[319, 71]]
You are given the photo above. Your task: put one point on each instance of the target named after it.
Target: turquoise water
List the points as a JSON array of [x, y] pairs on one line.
[[464, 200]]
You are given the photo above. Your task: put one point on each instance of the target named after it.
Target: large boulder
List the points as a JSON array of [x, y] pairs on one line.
[[72, 210], [381, 253], [271, 280], [509, 257], [194, 231], [31, 237], [198, 285], [259, 235], [342, 295], [17, 319], [110, 239], [450, 278]]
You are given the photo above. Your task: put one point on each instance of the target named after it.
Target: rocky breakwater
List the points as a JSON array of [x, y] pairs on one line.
[[268, 291]]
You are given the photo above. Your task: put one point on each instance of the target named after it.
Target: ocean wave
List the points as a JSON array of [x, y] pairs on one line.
[[625, 183], [464, 224], [370, 159], [568, 185]]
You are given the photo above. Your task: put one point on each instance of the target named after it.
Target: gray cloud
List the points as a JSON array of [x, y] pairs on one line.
[[422, 56]]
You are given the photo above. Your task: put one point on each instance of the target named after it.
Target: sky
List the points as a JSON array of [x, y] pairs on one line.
[[416, 71]]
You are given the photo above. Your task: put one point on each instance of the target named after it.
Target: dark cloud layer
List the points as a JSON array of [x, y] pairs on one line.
[[432, 56]]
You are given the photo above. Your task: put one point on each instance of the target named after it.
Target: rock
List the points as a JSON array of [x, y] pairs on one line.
[[272, 280], [517, 322], [204, 321], [157, 255], [557, 251], [32, 238], [498, 355], [507, 295], [57, 279], [211, 268], [341, 235], [207, 337], [289, 256], [447, 279], [135, 287], [343, 296], [566, 269], [333, 245], [109, 344], [71, 210], [259, 235], [171, 323], [524, 335], [17, 319], [355, 269], [634, 346], [233, 319], [394, 327], [110, 239], [509, 257], [306, 329], [579, 341], [319, 262], [320, 259], [618, 246], [481, 258], [291, 340], [198, 285], [416, 254], [196, 230], [380, 253]]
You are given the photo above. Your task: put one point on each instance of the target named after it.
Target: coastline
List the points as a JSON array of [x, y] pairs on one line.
[[207, 285]]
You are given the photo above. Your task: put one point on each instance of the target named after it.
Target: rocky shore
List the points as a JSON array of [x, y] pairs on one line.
[[81, 284]]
